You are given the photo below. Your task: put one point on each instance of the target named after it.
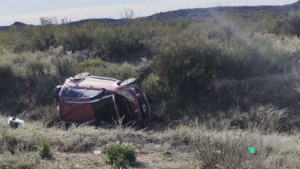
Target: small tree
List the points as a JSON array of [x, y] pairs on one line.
[[127, 14], [48, 21]]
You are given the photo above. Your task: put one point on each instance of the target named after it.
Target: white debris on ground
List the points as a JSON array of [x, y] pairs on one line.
[[97, 152], [13, 122]]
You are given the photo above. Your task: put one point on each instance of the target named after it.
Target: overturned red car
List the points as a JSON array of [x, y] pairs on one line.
[[101, 100]]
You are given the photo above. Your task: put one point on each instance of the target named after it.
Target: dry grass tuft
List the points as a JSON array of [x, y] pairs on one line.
[[229, 149]]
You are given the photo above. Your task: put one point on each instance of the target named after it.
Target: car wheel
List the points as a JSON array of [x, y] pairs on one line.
[[128, 82]]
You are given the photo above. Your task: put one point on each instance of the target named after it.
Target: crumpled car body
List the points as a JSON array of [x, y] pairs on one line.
[[101, 100]]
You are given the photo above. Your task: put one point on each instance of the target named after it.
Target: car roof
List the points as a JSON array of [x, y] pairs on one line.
[[94, 82]]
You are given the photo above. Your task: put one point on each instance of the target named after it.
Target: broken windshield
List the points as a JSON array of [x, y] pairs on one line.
[[82, 93]]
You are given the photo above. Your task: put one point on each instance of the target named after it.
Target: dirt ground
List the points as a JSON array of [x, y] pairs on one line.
[[145, 159]]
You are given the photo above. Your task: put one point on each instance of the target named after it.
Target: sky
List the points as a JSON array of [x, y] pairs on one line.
[[30, 11]]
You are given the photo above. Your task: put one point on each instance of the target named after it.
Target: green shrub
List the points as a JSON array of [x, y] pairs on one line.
[[186, 67], [120, 155], [63, 65], [44, 148], [166, 155], [37, 68], [121, 43], [77, 39], [151, 86]]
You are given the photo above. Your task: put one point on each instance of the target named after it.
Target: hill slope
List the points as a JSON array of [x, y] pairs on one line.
[[197, 14], [242, 11]]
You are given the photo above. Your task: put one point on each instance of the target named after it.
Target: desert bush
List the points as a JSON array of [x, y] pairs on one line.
[[15, 61], [188, 58], [270, 119], [63, 65], [187, 67], [228, 151], [278, 90], [266, 119], [62, 62], [14, 144], [121, 43], [294, 22], [37, 64], [151, 87], [35, 68], [21, 161], [77, 39], [32, 78], [44, 148], [259, 55], [44, 37], [119, 71], [120, 155]]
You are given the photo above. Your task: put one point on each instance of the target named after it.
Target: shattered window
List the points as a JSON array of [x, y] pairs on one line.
[[91, 93], [74, 93], [82, 93]]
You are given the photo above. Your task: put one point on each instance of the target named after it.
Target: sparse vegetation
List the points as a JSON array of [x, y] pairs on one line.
[[227, 148], [230, 150]]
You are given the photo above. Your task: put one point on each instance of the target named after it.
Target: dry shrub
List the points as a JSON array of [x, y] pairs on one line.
[[21, 161], [269, 118], [62, 62], [122, 71], [218, 150], [54, 62], [228, 151], [152, 88], [36, 68], [14, 144], [278, 90], [63, 65]]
